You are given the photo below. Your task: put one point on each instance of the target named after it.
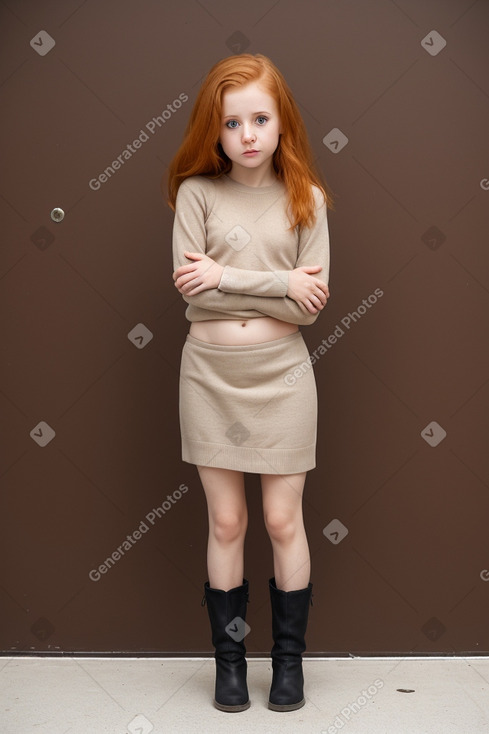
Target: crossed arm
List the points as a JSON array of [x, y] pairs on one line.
[[296, 296], [299, 284]]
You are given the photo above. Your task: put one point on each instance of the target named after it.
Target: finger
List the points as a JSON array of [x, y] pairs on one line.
[[178, 281], [316, 292], [320, 295], [191, 285], [309, 306], [185, 285], [194, 255], [191, 275], [183, 269], [317, 302], [197, 289], [321, 284]]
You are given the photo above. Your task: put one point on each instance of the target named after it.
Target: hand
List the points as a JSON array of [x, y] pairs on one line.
[[200, 275], [309, 292]]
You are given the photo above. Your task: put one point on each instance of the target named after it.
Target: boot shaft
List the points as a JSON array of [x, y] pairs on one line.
[[290, 612], [227, 615]]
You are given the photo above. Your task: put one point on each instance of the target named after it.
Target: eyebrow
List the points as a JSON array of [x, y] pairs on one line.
[[260, 112]]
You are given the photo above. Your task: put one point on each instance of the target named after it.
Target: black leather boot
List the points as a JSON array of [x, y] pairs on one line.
[[290, 610], [231, 693]]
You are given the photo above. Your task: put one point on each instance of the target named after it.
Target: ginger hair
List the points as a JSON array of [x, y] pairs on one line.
[[201, 153]]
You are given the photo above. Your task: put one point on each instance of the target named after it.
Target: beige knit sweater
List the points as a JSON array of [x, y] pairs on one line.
[[244, 229]]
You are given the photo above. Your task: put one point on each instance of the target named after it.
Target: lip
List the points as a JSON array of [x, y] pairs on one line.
[[250, 152]]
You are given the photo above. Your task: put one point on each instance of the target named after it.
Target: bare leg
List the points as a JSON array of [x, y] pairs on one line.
[[228, 520], [282, 512]]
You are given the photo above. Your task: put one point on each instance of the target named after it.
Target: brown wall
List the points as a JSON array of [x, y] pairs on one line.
[[412, 195]]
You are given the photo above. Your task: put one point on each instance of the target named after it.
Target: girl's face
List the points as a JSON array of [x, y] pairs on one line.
[[250, 121]]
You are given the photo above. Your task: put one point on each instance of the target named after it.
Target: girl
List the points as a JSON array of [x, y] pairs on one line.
[[251, 259]]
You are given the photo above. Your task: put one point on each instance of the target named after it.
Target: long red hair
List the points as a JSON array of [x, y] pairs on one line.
[[201, 154]]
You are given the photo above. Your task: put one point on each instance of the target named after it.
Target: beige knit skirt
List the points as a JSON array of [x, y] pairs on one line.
[[251, 408]]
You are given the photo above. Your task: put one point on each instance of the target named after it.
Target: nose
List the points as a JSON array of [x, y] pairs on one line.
[[247, 132]]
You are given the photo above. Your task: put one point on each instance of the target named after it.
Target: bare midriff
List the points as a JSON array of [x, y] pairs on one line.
[[241, 331]]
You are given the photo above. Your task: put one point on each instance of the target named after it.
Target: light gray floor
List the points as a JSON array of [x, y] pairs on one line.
[[140, 695]]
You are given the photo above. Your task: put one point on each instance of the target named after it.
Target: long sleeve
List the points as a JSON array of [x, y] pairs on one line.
[[189, 233], [239, 306], [313, 250], [274, 283], [314, 241], [189, 224]]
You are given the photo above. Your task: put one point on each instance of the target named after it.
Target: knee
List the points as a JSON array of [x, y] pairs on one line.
[[229, 527], [281, 526]]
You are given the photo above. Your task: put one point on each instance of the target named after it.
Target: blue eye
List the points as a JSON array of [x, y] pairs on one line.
[[260, 117]]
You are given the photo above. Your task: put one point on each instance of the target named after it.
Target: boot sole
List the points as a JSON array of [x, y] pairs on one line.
[[286, 706], [232, 709]]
